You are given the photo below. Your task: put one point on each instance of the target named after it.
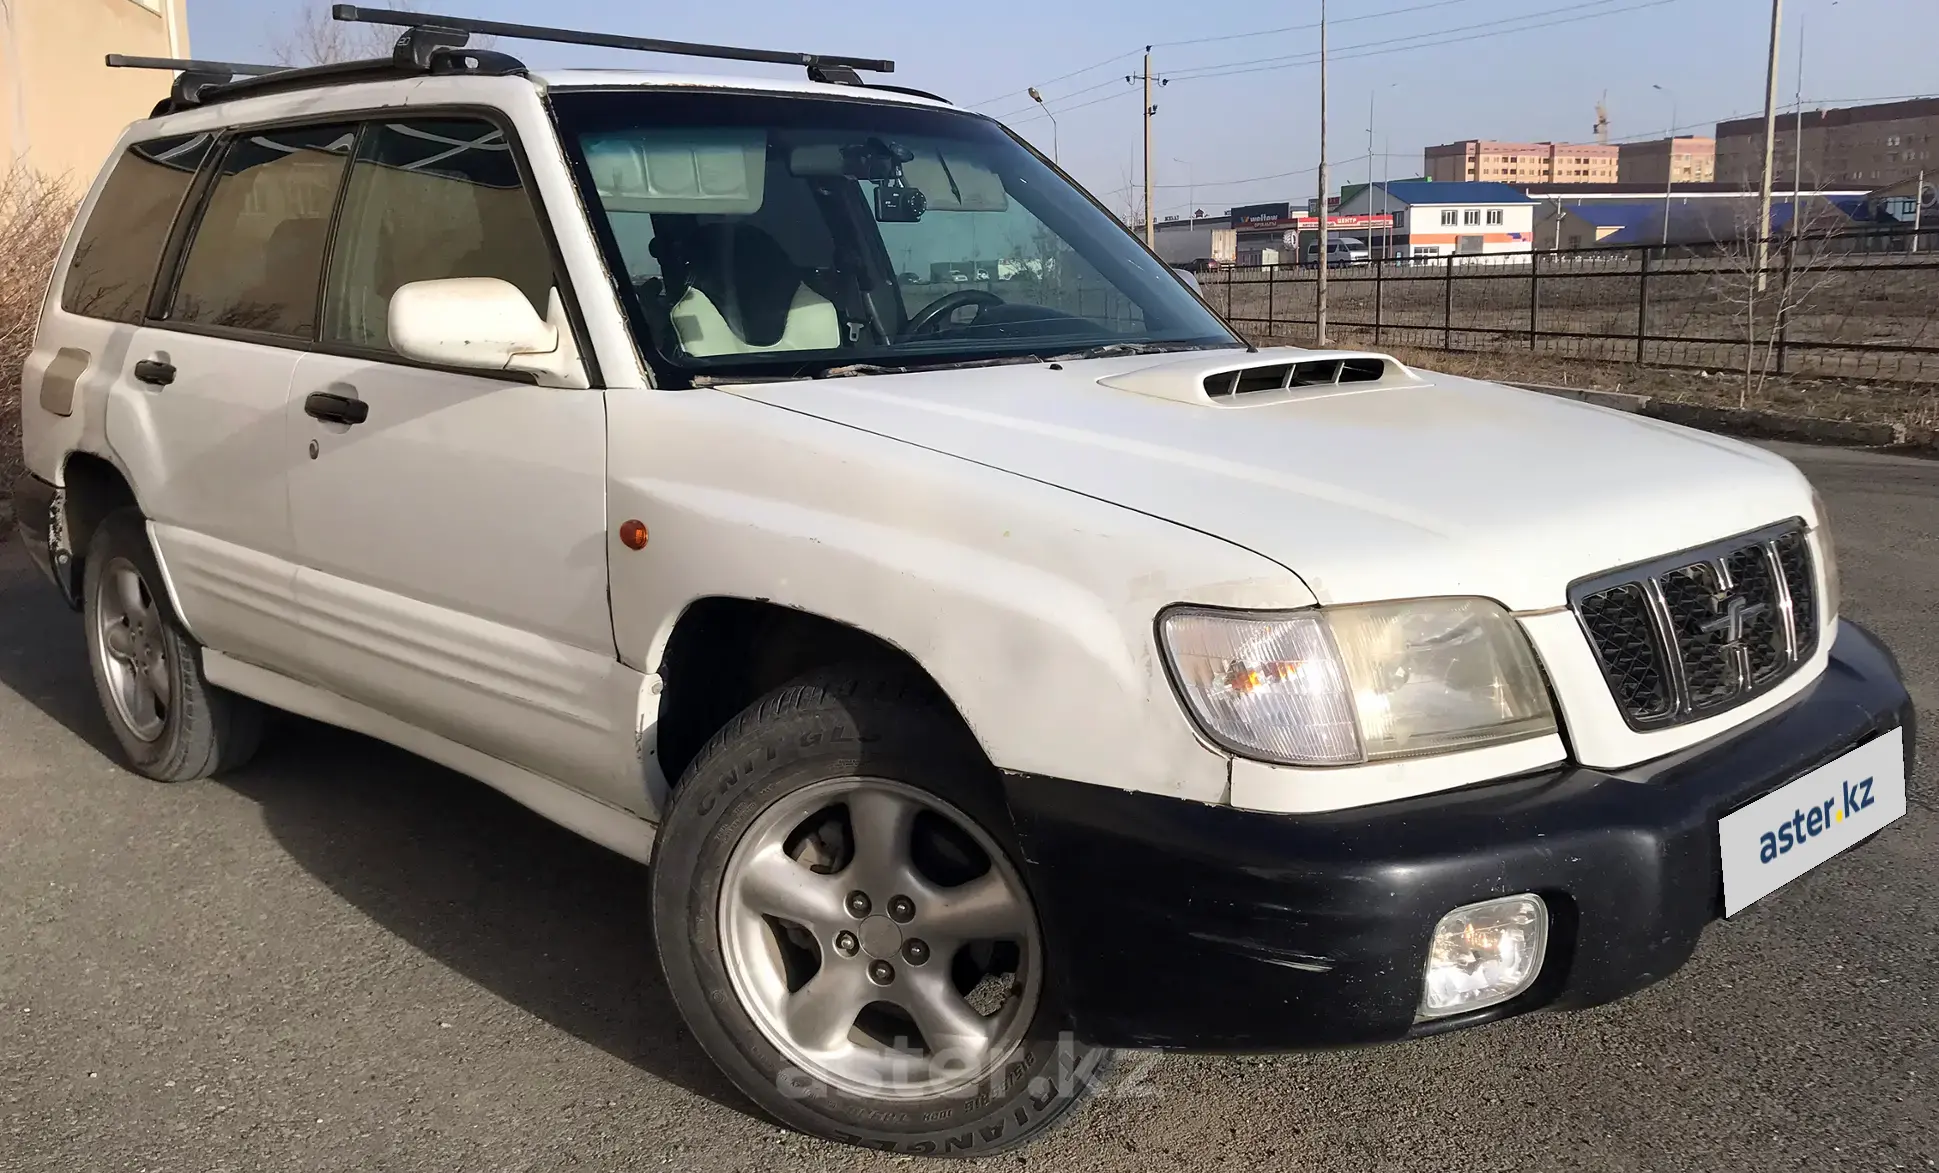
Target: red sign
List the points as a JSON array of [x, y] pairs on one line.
[[1309, 223]]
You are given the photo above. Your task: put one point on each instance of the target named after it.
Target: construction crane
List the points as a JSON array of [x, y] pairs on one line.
[[1602, 119]]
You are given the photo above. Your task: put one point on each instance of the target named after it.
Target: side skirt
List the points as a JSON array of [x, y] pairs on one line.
[[608, 826]]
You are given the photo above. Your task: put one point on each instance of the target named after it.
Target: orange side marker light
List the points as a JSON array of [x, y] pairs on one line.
[[633, 534]]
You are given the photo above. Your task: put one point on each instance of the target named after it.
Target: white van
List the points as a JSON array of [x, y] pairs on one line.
[[993, 679]]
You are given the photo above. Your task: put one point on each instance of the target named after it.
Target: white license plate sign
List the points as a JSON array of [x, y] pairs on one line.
[[1800, 825]]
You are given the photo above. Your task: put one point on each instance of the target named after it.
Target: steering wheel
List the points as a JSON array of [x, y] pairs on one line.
[[930, 317]]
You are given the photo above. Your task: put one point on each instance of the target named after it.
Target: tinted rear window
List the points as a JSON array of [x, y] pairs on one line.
[[257, 258], [121, 246]]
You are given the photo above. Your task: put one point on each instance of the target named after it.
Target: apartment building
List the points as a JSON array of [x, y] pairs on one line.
[[1850, 146], [1490, 161], [61, 108], [1687, 158]]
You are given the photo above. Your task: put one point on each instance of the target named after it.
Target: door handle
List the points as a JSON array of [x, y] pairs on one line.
[[155, 372], [336, 409]]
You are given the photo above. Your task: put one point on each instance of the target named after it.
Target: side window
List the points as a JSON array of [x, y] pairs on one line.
[[121, 246], [1447, 216], [257, 258], [427, 201]]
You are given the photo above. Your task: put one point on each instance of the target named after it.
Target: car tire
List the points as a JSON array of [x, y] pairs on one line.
[[865, 763], [171, 723]]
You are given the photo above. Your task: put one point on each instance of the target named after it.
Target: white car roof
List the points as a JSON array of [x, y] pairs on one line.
[[606, 79]]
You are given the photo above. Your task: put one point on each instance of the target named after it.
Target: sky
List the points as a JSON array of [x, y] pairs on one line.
[[1239, 120]]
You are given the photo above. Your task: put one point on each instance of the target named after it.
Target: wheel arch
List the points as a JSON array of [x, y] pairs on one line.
[[90, 488], [723, 653]]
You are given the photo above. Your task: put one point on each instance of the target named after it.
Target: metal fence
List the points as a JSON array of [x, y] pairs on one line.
[[1851, 306]]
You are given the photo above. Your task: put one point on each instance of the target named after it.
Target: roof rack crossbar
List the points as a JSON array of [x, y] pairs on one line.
[[181, 65], [493, 28]]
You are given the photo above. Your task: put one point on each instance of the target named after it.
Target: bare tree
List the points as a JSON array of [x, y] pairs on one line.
[[1803, 267], [35, 211], [316, 39]]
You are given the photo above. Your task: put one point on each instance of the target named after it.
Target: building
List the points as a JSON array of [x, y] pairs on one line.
[[1431, 219], [1488, 161], [1704, 220], [1862, 146], [61, 107], [1687, 158]]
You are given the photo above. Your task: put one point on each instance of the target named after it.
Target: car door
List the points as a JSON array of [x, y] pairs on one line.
[[199, 417], [450, 525]]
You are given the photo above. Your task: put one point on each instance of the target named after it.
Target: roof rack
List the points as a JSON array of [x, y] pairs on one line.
[[438, 45], [821, 67], [196, 76]]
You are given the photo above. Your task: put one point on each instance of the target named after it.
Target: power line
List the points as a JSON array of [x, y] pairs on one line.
[[1433, 39], [1055, 80], [1294, 28]]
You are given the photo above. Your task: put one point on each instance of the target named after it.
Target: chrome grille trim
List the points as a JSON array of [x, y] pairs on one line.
[[1735, 623]]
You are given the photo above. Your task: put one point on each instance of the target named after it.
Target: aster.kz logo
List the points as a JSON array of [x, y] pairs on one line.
[[1804, 825]]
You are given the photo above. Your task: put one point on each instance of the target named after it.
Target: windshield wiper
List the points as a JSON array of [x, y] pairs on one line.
[[1121, 349], [863, 368]]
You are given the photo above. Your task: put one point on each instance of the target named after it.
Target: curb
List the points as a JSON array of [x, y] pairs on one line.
[[1743, 421]]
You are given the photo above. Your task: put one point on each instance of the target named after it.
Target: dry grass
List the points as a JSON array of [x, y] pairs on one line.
[[35, 211], [1912, 404]]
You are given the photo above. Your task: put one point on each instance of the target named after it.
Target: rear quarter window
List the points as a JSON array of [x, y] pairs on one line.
[[120, 248]]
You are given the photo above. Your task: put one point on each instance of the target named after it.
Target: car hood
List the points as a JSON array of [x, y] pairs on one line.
[[1418, 484]]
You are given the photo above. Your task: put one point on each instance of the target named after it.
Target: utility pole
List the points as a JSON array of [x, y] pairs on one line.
[[1918, 209], [1151, 229], [1319, 331], [1797, 147], [1770, 147], [1669, 166]]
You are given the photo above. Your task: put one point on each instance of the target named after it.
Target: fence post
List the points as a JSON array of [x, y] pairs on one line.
[[1378, 289], [1272, 280], [1447, 306], [1642, 307], [1229, 276], [1784, 302], [1534, 297]]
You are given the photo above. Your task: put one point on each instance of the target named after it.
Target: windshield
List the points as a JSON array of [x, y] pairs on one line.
[[772, 236]]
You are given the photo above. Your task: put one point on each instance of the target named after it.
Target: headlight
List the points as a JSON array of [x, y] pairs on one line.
[[1338, 686], [1828, 556]]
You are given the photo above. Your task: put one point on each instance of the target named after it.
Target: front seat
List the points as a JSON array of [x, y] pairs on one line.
[[745, 295]]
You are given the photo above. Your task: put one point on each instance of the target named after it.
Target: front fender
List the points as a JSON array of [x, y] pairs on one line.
[[1032, 606]]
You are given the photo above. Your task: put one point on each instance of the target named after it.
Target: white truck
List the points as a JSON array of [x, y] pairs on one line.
[[994, 678]]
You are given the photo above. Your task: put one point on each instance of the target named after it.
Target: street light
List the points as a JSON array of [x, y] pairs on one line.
[[1039, 99], [1669, 164]]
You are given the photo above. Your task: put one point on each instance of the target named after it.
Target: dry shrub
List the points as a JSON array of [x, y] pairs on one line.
[[35, 211]]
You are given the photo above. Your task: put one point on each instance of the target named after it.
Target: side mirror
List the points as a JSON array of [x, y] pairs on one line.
[[1186, 274], [485, 324]]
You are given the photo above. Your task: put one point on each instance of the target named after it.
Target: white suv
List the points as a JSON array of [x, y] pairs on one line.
[[997, 673]]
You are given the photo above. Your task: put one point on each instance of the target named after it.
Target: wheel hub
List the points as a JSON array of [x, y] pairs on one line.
[[881, 938]]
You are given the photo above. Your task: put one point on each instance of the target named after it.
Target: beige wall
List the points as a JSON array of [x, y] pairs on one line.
[[61, 108]]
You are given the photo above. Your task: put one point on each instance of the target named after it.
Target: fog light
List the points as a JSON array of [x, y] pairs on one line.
[[1484, 954]]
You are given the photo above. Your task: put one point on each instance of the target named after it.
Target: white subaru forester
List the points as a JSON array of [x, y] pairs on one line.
[[997, 670]]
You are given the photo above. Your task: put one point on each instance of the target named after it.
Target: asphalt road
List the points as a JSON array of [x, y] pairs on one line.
[[346, 958]]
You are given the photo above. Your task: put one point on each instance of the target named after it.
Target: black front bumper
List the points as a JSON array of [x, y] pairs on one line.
[[1190, 926]]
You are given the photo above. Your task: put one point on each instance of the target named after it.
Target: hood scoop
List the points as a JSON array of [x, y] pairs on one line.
[[1269, 376]]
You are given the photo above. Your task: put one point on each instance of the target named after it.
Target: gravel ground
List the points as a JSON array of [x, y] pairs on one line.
[[345, 958]]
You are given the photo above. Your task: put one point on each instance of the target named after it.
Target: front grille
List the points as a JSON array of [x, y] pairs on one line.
[[1691, 635]]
